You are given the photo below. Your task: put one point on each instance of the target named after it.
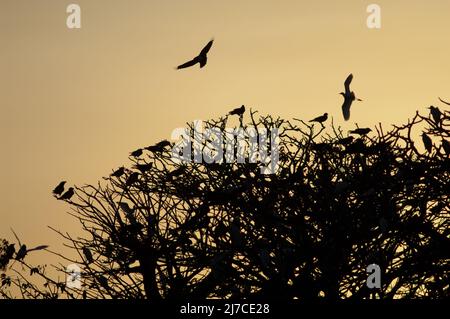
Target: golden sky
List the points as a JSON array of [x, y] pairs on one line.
[[74, 103]]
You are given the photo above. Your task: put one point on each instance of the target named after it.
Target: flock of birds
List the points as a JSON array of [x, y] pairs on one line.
[[202, 59]]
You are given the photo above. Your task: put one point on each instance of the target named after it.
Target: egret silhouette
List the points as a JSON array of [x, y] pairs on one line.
[[349, 97], [361, 131], [59, 189], [427, 142], [320, 119], [67, 195], [202, 58]]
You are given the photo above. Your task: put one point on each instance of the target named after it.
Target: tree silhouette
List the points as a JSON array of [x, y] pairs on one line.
[[335, 205]]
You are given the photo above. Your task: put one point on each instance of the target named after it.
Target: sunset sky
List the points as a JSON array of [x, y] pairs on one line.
[[75, 102]]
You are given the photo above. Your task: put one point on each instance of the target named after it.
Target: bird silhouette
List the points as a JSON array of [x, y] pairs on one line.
[[136, 153], [163, 143], [320, 119], [143, 167], [119, 172], [158, 147], [59, 189], [349, 97], [67, 195], [346, 140], [444, 101], [88, 255], [238, 111], [126, 208], [202, 58], [436, 114], [361, 131], [427, 142], [21, 253], [133, 178]]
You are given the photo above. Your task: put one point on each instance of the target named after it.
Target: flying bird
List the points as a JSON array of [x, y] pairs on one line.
[[59, 189], [444, 101], [320, 119], [137, 152], [201, 58], [143, 167], [237, 111], [361, 131], [427, 142], [349, 97], [67, 195], [436, 114], [119, 172]]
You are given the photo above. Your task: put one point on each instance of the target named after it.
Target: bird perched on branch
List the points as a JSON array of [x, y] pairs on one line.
[[238, 111], [346, 140], [446, 146], [21, 253], [349, 97], [67, 195], [143, 167], [119, 172], [202, 58], [427, 142], [88, 255], [133, 178], [136, 153], [361, 131], [59, 189], [320, 119], [436, 114], [159, 147]]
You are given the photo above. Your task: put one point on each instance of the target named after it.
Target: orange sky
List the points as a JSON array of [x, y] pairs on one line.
[[75, 102]]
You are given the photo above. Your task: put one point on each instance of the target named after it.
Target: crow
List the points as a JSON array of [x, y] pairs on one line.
[[136, 153], [361, 131], [427, 142], [237, 111], [59, 189], [201, 58], [119, 172], [320, 119], [143, 167], [133, 178], [67, 195], [436, 114]]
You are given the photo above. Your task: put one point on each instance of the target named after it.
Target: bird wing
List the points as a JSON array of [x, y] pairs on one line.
[[188, 64], [347, 83], [207, 47], [346, 109], [444, 101]]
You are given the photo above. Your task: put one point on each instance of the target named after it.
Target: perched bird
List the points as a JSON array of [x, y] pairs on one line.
[[67, 195], [361, 131], [349, 97], [444, 101], [320, 119], [136, 153], [201, 58], [127, 209], [436, 114], [346, 140], [88, 255], [59, 189], [163, 143], [119, 172], [427, 142], [133, 178], [446, 146], [158, 147], [237, 111], [7, 255], [21, 253], [143, 167]]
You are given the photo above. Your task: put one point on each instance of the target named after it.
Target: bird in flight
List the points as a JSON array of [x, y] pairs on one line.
[[237, 111], [320, 119], [67, 195], [349, 97], [444, 101], [201, 58], [361, 131], [59, 189]]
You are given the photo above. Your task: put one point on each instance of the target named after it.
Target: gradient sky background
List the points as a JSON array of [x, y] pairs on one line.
[[74, 103]]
